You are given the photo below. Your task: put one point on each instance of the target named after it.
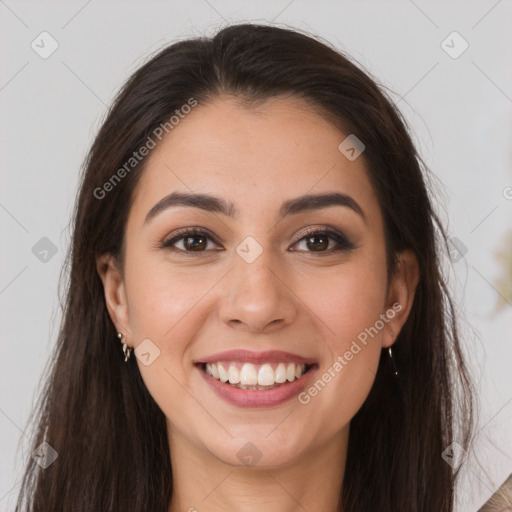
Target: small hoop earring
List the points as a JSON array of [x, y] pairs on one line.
[[126, 350], [393, 361]]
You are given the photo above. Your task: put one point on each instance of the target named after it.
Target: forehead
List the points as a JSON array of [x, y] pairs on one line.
[[252, 157]]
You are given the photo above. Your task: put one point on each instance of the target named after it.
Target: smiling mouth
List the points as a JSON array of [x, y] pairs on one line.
[[255, 377]]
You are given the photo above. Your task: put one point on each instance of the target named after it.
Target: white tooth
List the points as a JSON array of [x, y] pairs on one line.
[[280, 373], [233, 374], [215, 371], [223, 374], [290, 372], [208, 368], [248, 375], [266, 375], [298, 371]]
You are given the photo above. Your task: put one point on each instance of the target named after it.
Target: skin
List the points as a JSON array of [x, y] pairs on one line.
[[290, 298]]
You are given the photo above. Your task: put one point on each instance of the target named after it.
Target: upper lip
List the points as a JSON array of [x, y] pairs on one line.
[[269, 356]]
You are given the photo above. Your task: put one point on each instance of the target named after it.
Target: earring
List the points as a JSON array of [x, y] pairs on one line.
[[391, 354], [126, 351], [393, 361]]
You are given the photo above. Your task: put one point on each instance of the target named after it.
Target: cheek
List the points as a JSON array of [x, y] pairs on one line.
[[349, 304], [347, 299], [164, 305], [161, 299]]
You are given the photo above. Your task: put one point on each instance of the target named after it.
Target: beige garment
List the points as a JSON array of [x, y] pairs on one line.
[[501, 500]]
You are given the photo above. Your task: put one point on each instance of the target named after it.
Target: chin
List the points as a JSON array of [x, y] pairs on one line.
[[259, 448]]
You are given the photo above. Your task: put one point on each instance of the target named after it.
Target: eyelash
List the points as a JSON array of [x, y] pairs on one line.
[[343, 243]]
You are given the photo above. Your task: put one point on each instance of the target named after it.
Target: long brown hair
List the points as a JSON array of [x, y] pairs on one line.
[[95, 410]]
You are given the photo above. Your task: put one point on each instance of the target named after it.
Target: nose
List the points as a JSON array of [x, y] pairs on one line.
[[257, 298]]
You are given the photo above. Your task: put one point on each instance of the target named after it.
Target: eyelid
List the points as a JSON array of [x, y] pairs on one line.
[[189, 230], [323, 228]]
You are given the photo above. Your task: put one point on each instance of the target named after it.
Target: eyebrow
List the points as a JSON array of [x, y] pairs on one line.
[[217, 205]]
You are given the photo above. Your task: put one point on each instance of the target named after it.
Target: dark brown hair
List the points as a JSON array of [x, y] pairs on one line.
[[95, 410]]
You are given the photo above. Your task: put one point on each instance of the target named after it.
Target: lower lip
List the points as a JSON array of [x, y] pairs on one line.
[[256, 398]]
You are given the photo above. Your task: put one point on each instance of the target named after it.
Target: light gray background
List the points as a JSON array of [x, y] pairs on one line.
[[460, 111]]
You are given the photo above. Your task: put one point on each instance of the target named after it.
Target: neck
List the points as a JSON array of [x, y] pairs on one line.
[[204, 483]]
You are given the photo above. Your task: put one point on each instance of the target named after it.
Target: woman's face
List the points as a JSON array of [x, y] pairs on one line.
[[253, 293]]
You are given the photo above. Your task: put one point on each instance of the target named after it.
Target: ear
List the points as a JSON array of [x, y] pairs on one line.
[[115, 293], [402, 289]]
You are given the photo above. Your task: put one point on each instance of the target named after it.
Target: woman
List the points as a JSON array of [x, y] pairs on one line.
[[254, 222]]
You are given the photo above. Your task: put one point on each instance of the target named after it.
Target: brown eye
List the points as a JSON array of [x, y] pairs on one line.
[[191, 242], [194, 240], [315, 242], [318, 240]]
